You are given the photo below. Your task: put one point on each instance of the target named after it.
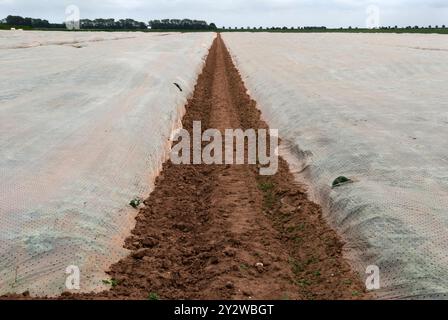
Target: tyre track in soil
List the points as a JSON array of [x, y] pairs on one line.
[[205, 228]]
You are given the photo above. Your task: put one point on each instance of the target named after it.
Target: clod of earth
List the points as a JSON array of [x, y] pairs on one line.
[[141, 253]]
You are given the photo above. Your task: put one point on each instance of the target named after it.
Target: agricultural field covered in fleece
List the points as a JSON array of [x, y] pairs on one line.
[[372, 108], [84, 124]]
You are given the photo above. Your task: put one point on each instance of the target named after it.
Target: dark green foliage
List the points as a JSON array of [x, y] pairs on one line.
[[153, 296], [111, 282], [266, 186], [181, 24], [135, 203], [340, 181]]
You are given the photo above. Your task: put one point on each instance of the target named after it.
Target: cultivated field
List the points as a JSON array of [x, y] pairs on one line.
[[374, 108], [84, 124]]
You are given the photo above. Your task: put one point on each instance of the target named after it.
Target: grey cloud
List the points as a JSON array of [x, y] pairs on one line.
[[242, 12]]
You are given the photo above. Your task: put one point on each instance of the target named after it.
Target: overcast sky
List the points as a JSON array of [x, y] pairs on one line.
[[331, 13]]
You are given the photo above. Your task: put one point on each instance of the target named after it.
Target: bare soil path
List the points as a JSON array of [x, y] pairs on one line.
[[224, 231]]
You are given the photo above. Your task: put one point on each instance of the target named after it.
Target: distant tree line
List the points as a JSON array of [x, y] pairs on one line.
[[112, 24], [429, 27], [29, 22], [310, 28], [320, 28], [188, 24], [178, 24], [408, 27]]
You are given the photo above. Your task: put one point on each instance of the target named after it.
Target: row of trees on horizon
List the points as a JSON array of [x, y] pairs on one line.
[[164, 24], [112, 24]]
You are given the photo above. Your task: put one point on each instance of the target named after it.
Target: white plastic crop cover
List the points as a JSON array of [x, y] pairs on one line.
[[84, 124], [373, 108]]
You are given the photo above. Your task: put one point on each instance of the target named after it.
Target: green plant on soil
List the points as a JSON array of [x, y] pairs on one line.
[[153, 296], [311, 260], [294, 229], [135, 202], [296, 266], [341, 181], [269, 195], [244, 267], [111, 282], [347, 282], [304, 282], [269, 200], [266, 186]]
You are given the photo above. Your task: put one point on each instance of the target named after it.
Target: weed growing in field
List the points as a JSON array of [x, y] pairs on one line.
[[298, 240], [296, 266], [266, 186], [112, 282], [341, 181], [153, 296], [269, 195], [269, 200], [347, 282], [355, 293], [244, 267], [304, 282], [135, 202]]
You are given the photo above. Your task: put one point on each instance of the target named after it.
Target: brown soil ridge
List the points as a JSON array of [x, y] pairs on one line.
[[224, 231]]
